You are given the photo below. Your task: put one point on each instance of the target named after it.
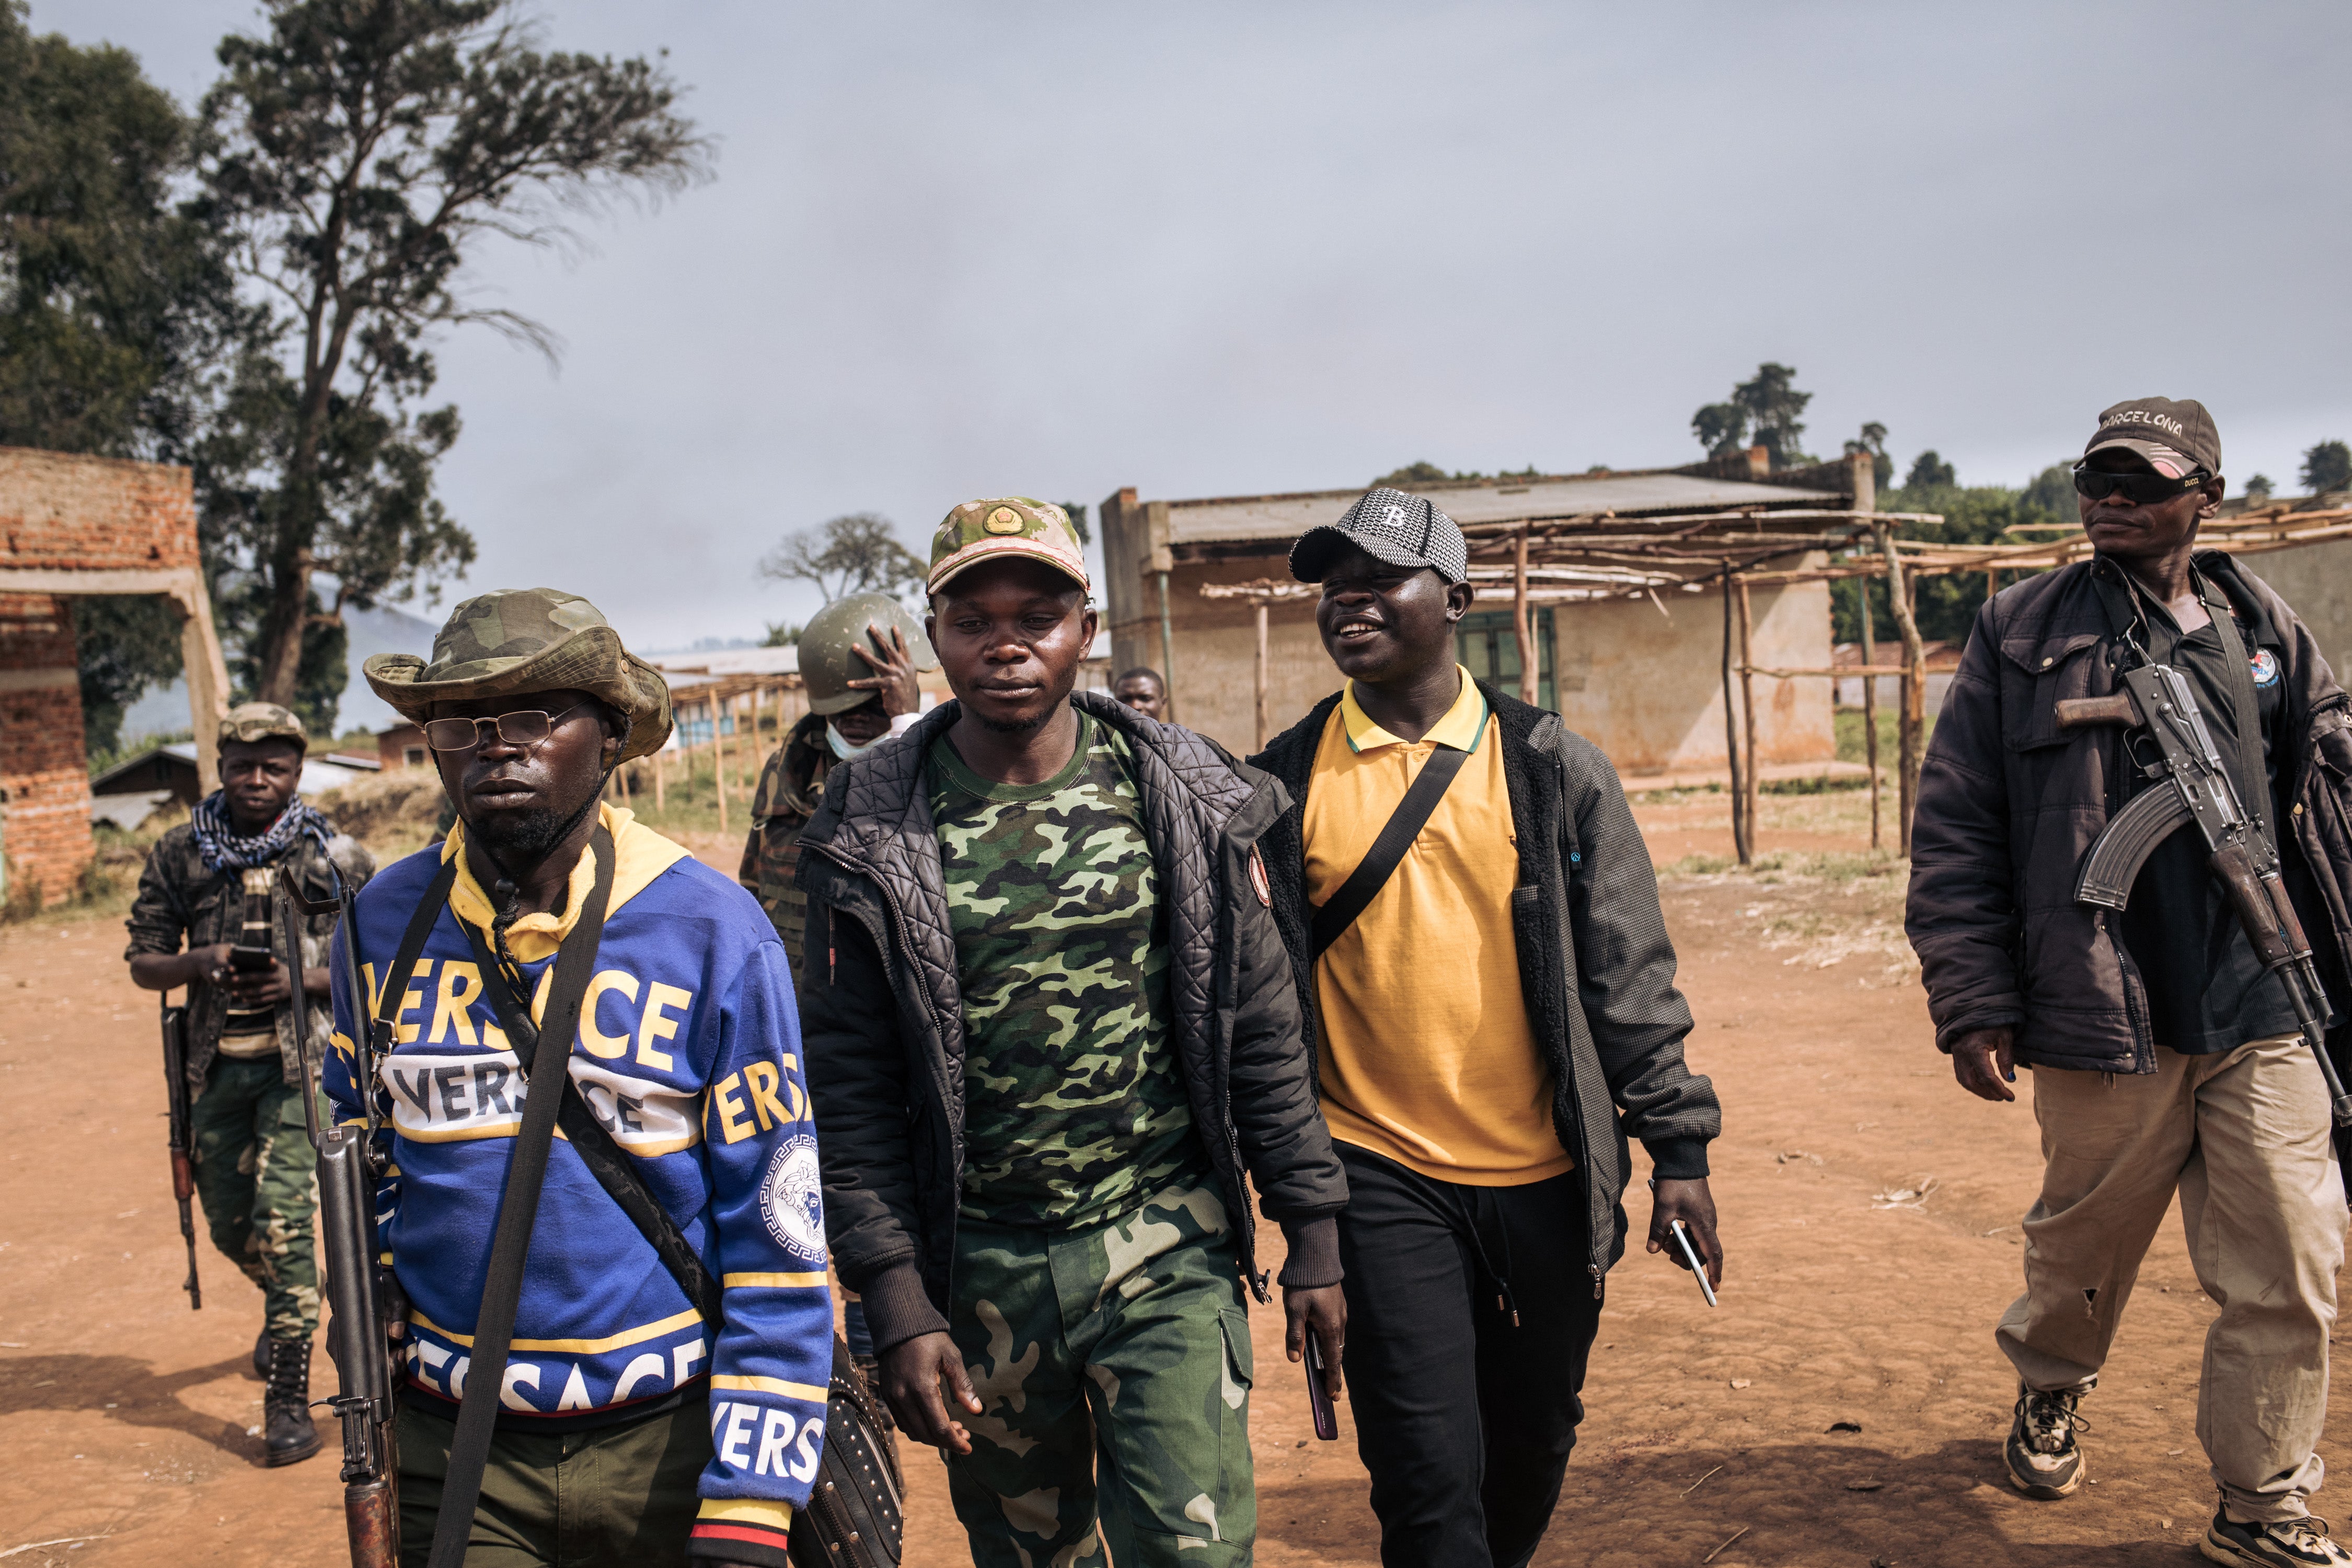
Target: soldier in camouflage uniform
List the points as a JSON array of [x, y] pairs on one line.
[[1051, 1035], [208, 885], [859, 657]]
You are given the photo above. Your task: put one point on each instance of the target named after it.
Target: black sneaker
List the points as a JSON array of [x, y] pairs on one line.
[[2287, 1544], [2044, 1461]]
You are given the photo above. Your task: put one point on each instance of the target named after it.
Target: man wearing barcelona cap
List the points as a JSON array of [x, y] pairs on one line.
[[2164, 1057], [627, 1427], [1053, 1040]]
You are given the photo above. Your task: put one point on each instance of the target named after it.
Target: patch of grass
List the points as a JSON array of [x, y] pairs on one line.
[[1847, 725], [1838, 866]]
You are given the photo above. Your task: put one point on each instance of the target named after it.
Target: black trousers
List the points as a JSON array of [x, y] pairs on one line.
[[1463, 1418]]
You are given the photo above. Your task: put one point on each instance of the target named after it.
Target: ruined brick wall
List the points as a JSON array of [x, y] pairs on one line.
[[70, 514], [44, 775], [93, 513]]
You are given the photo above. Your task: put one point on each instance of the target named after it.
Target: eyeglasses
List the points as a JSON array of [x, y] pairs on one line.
[[526, 727], [2141, 488]]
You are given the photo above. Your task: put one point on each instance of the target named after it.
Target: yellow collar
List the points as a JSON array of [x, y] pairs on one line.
[[640, 855], [1463, 727]]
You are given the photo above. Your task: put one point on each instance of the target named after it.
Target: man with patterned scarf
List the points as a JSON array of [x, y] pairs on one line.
[[207, 885]]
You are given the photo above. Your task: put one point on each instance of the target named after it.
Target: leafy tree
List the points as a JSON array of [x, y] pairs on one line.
[[1929, 472], [1764, 411], [783, 634], [2258, 490], [2328, 467], [857, 553], [356, 156], [2053, 492], [1873, 441], [1077, 510], [1419, 473], [112, 304]]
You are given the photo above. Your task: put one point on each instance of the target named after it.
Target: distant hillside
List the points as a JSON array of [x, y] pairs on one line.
[[164, 711]]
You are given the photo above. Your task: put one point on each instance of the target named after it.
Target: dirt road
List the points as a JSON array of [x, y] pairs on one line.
[[124, 1418]]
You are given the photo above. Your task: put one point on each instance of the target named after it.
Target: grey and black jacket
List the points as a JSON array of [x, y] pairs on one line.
[[882, 1017], [1596, 969]]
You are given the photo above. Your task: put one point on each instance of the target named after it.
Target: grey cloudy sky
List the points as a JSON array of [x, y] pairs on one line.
[[956, 250]]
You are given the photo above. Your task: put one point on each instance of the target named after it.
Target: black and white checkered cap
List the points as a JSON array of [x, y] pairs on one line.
[[1391, 526]]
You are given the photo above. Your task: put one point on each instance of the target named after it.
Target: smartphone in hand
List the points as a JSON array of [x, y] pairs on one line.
[[1318, 1393], [1691, 1260], [255, 960]]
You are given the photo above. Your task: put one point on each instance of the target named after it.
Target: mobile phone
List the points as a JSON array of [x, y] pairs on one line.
[[244, 959], [1690, 1256], [1318, 1393]]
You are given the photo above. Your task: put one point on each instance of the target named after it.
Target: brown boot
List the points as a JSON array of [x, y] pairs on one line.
[[286, 1434]]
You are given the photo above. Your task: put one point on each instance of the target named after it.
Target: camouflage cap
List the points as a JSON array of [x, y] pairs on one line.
[[1007, 525], [250, 721], [828, 660], [516, 640]]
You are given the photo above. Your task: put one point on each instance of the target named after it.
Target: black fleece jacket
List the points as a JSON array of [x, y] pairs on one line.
[[1596, 969], [882, 1019]]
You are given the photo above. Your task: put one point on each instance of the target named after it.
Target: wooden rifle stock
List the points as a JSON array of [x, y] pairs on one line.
[[2075, 712]]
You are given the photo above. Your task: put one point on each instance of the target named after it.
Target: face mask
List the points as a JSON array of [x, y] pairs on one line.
[[843, 749]]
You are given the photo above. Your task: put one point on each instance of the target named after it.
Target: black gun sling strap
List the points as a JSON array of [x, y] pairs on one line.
[[518, 1211], [1387, 853]]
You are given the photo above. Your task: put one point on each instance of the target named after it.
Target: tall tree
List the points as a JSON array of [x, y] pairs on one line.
[[2328, 467], [857, 553], [1764, 411], [1929, 471], [359, 154], [113, 305]]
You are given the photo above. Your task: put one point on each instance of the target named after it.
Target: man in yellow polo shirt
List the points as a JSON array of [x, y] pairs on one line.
[[1491, 1026]]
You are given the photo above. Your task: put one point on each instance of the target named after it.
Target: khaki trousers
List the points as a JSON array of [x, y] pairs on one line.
[[2244, 1135]]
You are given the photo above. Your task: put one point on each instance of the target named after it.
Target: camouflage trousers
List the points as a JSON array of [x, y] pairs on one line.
[[1113, 1369], [257, 1179]]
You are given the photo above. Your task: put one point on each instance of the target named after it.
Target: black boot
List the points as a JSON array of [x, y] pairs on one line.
[[286, 1434], [261, 1353]]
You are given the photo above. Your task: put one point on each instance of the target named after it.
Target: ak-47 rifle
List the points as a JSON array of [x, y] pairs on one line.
[[359, 1293], [2190, 784], [184, 1170]]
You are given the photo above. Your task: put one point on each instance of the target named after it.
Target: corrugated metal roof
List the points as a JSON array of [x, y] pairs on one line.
[[1228, 519]]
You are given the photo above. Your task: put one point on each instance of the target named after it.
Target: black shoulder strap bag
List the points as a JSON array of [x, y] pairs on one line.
[[854, 1518], [1387, 853]]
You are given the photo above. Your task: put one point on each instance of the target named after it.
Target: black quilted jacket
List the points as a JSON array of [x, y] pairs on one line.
[[882, 1019], [1596, 969]]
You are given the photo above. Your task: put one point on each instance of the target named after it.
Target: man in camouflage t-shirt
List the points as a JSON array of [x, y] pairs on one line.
[[1053, 1042]]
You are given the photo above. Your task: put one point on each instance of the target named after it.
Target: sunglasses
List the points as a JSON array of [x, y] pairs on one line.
[[526, 727], [2141, 488]]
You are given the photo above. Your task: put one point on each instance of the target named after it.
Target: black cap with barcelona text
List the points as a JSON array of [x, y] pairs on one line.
[[2174, 436]]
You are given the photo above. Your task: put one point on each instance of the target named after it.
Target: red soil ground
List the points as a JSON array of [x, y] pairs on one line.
[[124, 1418]]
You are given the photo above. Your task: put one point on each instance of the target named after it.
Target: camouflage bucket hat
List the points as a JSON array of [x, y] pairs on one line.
[[528, 639], [251, 721], [1006, 525], [828, 661]]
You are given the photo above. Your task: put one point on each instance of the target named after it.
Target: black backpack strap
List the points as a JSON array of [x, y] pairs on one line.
[[384, 1025], [518, 1211], [606, 1160], [1405, 825]]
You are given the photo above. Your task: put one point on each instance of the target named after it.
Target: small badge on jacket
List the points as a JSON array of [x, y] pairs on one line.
[[1258, 883], [2265, 666]]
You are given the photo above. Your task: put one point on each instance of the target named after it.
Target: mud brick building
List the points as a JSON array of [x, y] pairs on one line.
[[73, 526]]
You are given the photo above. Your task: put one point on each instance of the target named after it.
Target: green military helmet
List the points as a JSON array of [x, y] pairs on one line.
[[828, 664]]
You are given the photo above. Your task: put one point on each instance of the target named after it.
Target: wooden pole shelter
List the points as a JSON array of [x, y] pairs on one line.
[[1167, 652], [718, 763], [1748, 715], [1739, 844], [1869, 708], [1915, 688], [1263, 724], [1521, 631]]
